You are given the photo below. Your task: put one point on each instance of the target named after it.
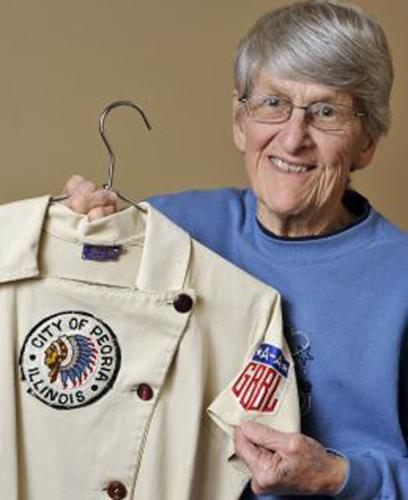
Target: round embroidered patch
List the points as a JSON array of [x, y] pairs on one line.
[[69, 360]]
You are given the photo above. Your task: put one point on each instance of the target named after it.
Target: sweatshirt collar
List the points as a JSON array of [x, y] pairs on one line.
[[358, 234]]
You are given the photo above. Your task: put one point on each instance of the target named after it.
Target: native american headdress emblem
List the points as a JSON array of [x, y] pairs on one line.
[[72, 357], [69, 360]]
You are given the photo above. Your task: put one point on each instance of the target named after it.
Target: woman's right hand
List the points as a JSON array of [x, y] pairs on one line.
[[85, 198]]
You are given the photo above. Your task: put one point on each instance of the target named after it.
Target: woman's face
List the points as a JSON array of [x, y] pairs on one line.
[[299, 173]]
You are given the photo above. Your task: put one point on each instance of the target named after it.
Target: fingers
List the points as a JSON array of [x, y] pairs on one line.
[[72, 184], [250, 453], [83, 201], [291, 444], [85, 198], [99, 212], [286, 463], [85, 187], [264, 436], [262, 463]]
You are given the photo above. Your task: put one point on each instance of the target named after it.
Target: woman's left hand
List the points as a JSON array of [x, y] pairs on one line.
[[287, 463]]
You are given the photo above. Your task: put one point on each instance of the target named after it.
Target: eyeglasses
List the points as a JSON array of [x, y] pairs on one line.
[[329, 117]]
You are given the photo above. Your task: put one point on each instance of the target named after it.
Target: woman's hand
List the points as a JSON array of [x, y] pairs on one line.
[[85, 198], [288, 463]]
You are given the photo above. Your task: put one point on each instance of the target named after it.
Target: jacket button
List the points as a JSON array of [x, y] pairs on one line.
[[116, 490], [145, 392], [183, 303]]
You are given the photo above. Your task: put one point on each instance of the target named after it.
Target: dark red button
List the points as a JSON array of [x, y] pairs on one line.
[[145, 392], [116, 490], [183, 303]]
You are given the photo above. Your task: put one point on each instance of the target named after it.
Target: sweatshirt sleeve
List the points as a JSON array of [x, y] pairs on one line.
[[374, 475], [382, 474]]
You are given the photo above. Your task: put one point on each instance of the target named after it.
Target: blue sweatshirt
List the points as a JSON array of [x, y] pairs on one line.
[[345, 304]]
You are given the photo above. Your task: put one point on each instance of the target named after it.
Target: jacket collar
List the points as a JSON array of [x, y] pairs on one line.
[[20, 224], [166, 247]]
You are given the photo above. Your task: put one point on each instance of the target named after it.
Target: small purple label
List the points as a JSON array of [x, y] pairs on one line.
[[102, 253]]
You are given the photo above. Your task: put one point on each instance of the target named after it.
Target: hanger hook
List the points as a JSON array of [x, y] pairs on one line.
[[105, 112]]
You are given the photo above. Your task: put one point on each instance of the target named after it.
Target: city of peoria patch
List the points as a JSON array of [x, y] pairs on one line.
[[260, 385], [69, 360]]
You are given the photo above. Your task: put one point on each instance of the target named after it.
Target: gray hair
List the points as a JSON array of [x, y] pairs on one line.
[[326, 42]]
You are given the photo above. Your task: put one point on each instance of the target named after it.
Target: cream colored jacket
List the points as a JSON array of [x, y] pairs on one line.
[[124, 378]]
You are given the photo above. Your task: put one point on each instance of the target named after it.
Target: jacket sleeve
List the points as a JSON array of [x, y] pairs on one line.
[[264, 389]]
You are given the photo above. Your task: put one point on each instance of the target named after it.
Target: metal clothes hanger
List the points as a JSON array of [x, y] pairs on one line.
[[112, 159], [111, 166]]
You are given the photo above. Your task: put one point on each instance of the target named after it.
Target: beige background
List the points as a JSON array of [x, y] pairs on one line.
[[63, 61]]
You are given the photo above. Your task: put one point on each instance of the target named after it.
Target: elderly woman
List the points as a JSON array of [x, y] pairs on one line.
[[311, 100]]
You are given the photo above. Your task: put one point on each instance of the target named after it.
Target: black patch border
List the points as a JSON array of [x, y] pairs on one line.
[[109, 385]]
